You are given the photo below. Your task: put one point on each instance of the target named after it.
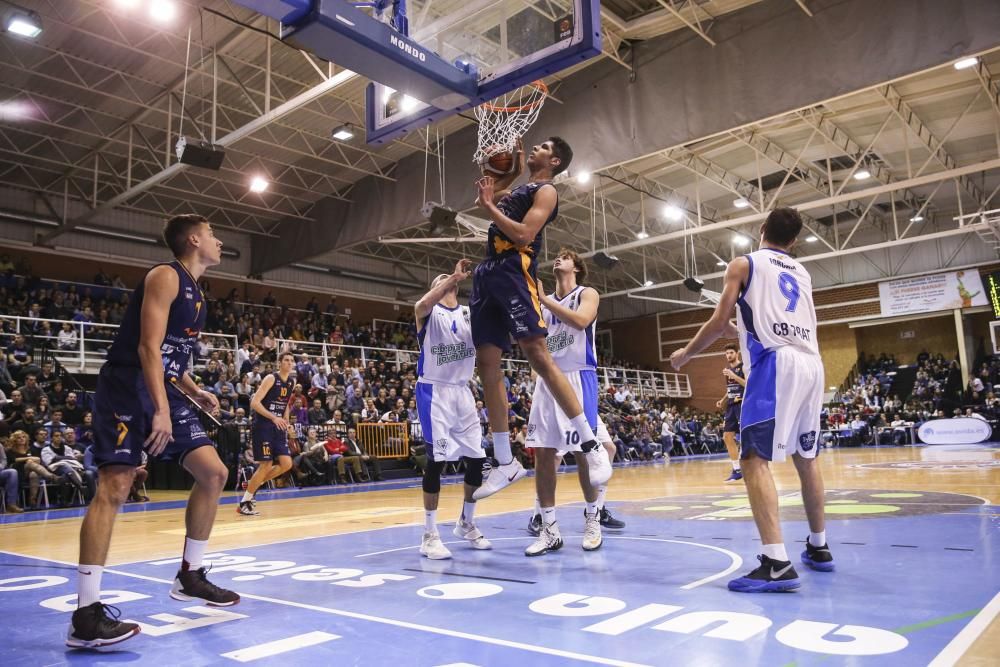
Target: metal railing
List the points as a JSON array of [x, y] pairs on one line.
[[88, 347], [643, 383]]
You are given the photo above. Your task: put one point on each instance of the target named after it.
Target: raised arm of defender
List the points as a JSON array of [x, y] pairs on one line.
[[578, 319], [426, 303]]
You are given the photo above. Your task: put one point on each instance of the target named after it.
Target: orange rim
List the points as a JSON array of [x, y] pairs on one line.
[[537, 85]]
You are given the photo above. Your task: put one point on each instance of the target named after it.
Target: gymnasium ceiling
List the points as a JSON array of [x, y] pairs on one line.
[[88, 104]]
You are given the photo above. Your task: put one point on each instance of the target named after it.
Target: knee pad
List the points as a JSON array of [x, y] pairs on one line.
[[432, 477], [474, 471]]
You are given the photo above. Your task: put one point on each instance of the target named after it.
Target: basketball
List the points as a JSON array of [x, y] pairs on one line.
[[501, 163]]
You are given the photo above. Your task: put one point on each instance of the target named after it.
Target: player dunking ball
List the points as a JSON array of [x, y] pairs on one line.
[[733, 402], [134, 409], [269, 432], [446, 407], [505, 300], [570, 315], [784, 392]]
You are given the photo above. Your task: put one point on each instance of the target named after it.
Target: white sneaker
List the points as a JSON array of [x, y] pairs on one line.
[[499, 478], [549, 540], [599, 465], [592, 538], [432, 547], [469, 531]]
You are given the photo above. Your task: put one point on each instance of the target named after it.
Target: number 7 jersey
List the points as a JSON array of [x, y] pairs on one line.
[[775, 308]]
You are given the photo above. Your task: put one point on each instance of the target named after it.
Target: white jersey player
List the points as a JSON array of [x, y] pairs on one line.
[[570, 316], [784, 391], [446, 408]]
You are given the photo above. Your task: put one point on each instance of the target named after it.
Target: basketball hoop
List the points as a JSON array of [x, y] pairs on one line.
[[506, 119]]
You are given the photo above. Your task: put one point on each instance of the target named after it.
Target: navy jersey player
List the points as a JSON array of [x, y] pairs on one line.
[[269, 431], [784, 392], [732, 402], [505, 301], [138, 405]]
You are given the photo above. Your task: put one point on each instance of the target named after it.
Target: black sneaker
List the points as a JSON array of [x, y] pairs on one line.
[[535, 525], [773, 576], [194, 585], [247, 508], [818, 558], [609, 521], [97, 625]]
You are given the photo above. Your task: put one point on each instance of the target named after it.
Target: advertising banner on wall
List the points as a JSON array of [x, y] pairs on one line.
[[925, 294], [955, 431]]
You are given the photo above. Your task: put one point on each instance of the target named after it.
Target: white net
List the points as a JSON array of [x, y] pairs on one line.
[[506, 119]]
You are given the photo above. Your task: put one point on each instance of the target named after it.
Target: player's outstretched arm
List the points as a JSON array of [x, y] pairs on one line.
[[578, 319], [160, 289], [426, 303], [718, 325], [524, 232]]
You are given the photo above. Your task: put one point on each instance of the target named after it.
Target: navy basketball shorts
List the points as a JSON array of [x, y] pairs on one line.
[[123, 419], [504, 300], [732, 421], [269, 441]]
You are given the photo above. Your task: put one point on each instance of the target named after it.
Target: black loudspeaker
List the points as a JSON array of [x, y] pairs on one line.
[[604, 260], [694, 284], [200, 153]]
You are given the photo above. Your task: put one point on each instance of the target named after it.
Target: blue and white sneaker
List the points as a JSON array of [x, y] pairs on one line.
[[735, 477], [773, 576], [818, 558]]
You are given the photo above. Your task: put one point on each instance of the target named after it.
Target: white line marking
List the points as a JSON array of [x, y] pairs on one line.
[[957, 647], [388, 621], [736, 564], [279, 646]]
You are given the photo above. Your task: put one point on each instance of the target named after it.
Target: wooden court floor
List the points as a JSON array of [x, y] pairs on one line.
[[158, 533]]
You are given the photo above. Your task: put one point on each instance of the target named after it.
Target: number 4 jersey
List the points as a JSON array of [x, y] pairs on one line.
[[776, 306]]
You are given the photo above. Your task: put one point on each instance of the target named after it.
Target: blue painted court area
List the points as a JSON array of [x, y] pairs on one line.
[[913, 569]]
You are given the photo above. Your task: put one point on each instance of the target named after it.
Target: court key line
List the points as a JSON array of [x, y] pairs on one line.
[[737, 561], [388, 621]]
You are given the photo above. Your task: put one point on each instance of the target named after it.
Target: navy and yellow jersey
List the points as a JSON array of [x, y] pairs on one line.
[[187, 316], [276, 399], [515, 205], [734, 390]]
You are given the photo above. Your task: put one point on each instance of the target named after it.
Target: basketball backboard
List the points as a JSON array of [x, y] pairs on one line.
[[508, 43]]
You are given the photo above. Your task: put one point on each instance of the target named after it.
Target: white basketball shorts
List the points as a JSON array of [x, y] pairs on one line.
[[781, 405], [548, 425], [449, 422]]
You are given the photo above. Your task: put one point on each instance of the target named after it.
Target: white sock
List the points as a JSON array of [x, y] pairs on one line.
[[591, 509], [818, 539], [430, 521], [776, 552], [583, 428], [602, 491], [194, 551], [501, 448], [538, 507], [736, 464], [468, 512], [247, 497], [88, 584], [548, 516]]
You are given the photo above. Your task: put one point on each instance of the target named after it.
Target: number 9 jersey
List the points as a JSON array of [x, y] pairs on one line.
[[776, 306]]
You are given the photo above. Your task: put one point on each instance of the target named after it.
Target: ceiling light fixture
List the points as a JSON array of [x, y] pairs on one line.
[[23, 22], [917, 218], [343, 133], [721, 263], [672, 212], [643, 234], [812, 239], [163, 11], [740, 240], [741, 203], [862, 175], [966, 63], [258, 184], [648, 283], [583, 177]]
